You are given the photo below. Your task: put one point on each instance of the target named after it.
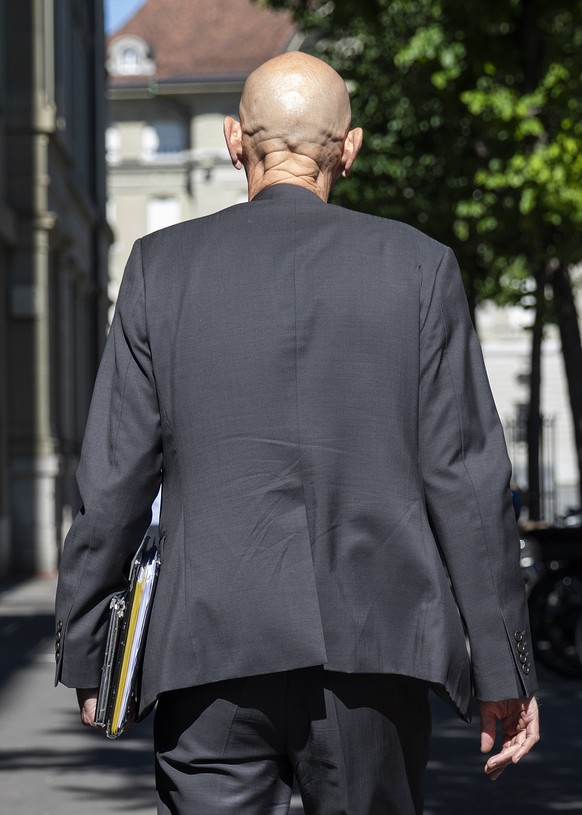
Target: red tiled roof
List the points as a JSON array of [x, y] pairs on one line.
[[206, 39]]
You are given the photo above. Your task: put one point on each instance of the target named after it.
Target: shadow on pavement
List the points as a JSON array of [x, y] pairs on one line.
[[85, 767], [79, 768], [20, 637], [548, 780]]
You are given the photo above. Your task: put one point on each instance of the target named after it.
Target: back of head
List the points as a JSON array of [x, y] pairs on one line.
[[295, 102], [294, 125]]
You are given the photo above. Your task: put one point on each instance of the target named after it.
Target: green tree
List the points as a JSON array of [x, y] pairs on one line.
[[473, 125], [536, 115]]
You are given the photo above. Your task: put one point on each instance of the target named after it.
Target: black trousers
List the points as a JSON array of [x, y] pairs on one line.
[[356, 743]]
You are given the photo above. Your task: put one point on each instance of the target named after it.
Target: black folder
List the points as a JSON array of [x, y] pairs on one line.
[[129, 614]]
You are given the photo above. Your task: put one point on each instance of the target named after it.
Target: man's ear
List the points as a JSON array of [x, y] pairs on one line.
[[233, 137], [352, 143]]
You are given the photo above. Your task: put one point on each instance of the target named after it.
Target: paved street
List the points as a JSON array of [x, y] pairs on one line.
[[50, 765]]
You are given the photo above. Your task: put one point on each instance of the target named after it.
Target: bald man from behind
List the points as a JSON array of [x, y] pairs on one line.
[[337, 527]]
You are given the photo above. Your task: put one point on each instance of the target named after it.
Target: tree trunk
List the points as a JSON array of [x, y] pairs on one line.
[[529, 45], [567, 319], [534, 417]]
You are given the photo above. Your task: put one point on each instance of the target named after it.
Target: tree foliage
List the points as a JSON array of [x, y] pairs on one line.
[[473, 125], [472, 114]]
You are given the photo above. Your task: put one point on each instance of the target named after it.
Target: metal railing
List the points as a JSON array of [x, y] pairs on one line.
[[515, 428]]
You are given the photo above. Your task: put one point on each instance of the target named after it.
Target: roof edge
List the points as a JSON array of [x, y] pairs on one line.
[[168, 87]]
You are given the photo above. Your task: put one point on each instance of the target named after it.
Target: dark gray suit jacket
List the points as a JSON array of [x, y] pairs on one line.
[[309, 382]]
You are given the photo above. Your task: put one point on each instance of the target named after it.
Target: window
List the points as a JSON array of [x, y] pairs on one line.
[[165, 138], [171, 136], [129, 61], [149, 143], [113, 145], [130, 56], [162, 212]]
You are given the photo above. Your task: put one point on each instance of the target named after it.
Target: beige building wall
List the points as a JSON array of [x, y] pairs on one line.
[[151, 184], [506, 344]]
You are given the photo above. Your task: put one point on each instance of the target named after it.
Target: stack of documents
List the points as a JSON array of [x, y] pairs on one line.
[[128, 621]]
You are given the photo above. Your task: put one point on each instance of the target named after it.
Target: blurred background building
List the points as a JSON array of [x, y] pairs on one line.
[[176, 69], [53, 264], [506, 342]]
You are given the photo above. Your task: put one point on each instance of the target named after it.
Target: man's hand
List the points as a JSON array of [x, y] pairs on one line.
[[521, 730], [87, 699]]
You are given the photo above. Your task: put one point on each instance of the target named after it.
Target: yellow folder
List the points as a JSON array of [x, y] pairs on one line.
[[128, 621]]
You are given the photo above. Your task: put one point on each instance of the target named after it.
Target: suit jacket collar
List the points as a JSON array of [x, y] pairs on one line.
[[287, 192]]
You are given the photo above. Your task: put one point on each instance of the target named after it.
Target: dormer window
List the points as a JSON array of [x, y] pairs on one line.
[[129, 61], [130, 56]]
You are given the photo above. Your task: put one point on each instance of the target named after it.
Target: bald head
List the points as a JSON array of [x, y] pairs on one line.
[[297, 100], [294, 121]]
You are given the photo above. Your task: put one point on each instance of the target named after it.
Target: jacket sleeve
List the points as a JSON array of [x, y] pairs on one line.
[[118, 477], [466, 472]]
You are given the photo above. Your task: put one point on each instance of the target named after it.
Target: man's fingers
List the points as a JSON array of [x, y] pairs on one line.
[[493, 774], [88, 715], [511, 754], [87, 698], [487, 742], [526, 745], [488, 725], [521, 731], [87, 719], [498, 763], [531, 735]]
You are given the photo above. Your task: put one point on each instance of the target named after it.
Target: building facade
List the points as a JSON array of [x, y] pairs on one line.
[[54, 242], [506, 342], [176, 69]]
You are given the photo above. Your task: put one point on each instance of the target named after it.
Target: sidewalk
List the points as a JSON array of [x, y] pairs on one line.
[[548, 780], [51, 765]]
